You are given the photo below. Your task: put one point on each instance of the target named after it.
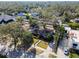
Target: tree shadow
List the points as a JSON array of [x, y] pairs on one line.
[[3, 56], [14, 54], [27, 45], [17, 53], [31, 53], [46, 35], [52, 44]]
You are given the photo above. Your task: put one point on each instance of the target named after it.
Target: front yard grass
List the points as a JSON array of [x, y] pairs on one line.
[[35, 40], [43, 44]]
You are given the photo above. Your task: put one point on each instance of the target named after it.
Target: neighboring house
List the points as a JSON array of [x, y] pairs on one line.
[[67, 28], [21, 14], [35, 15], [77, 20], [6, 19], [24, 15], [74, 39]]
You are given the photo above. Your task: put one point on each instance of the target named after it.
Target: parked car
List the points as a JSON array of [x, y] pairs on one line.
[[66, 51]]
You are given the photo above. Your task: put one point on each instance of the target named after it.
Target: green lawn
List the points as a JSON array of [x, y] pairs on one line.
[[35, 40], [43, 44], [73, 55]]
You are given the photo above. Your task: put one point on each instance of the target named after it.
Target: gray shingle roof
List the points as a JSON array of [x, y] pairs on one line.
[[6, 17]]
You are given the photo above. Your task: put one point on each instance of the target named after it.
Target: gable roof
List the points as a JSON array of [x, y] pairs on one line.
[[6, 19]]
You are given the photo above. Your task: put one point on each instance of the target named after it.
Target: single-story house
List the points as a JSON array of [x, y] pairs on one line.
[[6, 19], [74, 39], [34, 14], [21, 14]]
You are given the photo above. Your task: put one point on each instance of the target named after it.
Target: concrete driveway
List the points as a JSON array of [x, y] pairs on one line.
[[60, 53], [62, 46]]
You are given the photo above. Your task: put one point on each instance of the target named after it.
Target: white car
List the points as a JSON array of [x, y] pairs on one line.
[[66, 51]]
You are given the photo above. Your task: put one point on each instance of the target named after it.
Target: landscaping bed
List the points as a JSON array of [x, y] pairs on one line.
[[43, 44]]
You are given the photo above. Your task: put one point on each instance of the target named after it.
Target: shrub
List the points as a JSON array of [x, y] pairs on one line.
[[74, 25]]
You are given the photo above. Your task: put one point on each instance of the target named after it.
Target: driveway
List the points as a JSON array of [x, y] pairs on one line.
[[62, 46], [60, 53]]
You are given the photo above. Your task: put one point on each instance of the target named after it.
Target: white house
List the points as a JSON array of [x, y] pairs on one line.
[[74, 39], [67, 28]]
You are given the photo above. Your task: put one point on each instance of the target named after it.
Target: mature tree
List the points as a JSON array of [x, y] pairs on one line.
[[56, 38], [19, 19], [26, 40], [13, 29]]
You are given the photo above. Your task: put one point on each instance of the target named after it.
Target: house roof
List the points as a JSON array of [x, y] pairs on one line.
[[75, 35], [6, 17], [20, 14], [67, 28], [34, 14]]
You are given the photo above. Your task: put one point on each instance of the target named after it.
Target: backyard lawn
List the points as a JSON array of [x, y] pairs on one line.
[[43, 44]]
